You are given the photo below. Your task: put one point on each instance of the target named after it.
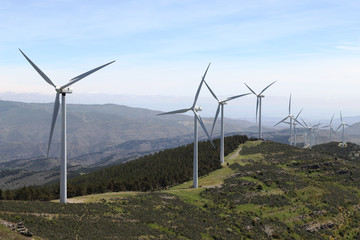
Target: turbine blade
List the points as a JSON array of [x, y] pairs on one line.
[[281, 121], [298, 114], [341, 116], [290, 104], [43, 75], [250, 89], [331, 120], [203, 78], [176, 111], [197, 94], [55, 113], [304, 122], [298, 122], [211, 91], [81, 76], [267, 87], [338, 128], [199, 88], [216, 116], [237, 96], [203, 126], [347, 125]]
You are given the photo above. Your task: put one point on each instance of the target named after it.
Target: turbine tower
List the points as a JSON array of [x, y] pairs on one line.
[[258, 105], [63, 90], [342, 124], [330, 126], [197, 118], [221, 104]]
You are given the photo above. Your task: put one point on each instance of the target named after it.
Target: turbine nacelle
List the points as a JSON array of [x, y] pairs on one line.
[[66, 90], [197, 109]]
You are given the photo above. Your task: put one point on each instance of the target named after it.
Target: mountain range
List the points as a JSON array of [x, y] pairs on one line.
[[101, 135], [24, 129]]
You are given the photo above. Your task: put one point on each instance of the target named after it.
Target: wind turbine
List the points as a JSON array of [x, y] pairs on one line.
[[316, 134], [342, 124], [291, 121], [63, 90], [258, 105], [197, 118], [221, 104], [295, 123], [309, 129], [330, 126]]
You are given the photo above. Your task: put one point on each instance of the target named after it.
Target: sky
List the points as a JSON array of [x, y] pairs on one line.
[[162, 48]]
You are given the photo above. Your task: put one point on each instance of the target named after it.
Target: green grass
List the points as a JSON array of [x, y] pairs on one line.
[[163, 229]]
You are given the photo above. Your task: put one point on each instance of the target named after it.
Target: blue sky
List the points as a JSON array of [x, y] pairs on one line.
[[161, 48]]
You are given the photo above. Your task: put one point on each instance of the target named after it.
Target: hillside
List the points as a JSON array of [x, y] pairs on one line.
[[266, 191], [151, 172], [93, 129]]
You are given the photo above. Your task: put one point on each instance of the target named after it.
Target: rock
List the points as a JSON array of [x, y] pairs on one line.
[[20, 228]]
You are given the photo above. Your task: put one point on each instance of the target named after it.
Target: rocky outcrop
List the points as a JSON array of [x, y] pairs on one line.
[[18, 227]]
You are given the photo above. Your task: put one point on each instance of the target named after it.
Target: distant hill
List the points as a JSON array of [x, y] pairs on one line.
[[24, 129], [266, 190]]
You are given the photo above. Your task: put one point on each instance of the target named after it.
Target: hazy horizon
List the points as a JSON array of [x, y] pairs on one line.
[[242, 109]]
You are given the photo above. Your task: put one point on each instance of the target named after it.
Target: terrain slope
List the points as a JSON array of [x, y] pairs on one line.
[[265, 190]]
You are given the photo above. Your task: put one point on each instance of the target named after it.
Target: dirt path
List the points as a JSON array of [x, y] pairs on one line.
[[235, 154]]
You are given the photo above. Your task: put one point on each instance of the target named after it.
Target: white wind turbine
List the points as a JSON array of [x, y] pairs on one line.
[[197, 118], [221, 104], [330, 126], [342, 124], [291, 121], [63, 90], [258, 105], [310, 128]]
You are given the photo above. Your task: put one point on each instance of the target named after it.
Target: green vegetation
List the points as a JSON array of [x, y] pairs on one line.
[[265, 190], [153, 172], [350, 152]]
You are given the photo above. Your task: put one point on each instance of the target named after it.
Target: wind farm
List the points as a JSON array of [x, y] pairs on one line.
[[127, 159]]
